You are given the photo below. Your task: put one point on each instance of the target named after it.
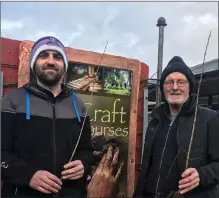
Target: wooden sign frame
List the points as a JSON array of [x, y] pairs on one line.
[[93, 58]]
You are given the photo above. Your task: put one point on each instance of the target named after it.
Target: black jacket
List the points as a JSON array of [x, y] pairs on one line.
[[39, 132], [204, 153]]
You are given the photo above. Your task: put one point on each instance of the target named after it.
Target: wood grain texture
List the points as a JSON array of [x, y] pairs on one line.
[[140, 119], [24, 66]]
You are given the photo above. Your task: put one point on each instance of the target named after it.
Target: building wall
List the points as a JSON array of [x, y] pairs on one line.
[[9, 63]]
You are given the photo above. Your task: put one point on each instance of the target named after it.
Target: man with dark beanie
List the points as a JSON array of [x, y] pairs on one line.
[[163, 171], [40, 125]]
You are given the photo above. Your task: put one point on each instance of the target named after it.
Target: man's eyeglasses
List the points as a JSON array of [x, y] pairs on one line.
[[180, 83]]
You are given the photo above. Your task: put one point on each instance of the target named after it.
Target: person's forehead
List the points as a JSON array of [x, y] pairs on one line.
[[176, 75]]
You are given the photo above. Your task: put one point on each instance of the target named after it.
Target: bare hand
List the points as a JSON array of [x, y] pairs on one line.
[[190, 180], [45, 182], [73, 170], [104, 181]]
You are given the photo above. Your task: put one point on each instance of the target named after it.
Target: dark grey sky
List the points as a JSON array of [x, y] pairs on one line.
[[129, 27]]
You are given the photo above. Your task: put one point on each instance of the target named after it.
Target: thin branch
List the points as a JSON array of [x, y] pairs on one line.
[[194, 122], [147, 80], [162, 156], [82, 127]]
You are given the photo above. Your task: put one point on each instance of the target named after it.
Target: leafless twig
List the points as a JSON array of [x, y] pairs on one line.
[[82, 127], [196, 107]]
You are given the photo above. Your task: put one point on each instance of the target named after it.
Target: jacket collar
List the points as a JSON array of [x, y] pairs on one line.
[[36, 89]]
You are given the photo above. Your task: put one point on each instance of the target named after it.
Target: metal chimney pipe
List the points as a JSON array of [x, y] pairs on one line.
[[161, 23]]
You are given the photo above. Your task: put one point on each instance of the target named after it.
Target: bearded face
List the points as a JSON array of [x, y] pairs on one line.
[[176, 88], [49, 67]]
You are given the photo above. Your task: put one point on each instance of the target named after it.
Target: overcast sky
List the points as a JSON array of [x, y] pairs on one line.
[[129, 27]]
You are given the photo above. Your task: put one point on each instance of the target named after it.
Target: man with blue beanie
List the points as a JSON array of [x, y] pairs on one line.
[[40, 126]]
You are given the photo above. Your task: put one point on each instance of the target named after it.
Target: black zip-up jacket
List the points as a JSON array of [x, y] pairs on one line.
[[39, 132], [204, 154]]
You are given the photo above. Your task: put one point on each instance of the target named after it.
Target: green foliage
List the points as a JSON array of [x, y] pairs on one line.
[[117, 91], [116, 79]]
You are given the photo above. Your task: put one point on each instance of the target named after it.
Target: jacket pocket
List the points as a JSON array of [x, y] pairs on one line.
[[197, 157]]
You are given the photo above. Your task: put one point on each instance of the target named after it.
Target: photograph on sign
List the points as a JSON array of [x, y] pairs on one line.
[[85, 77], [109, 111]]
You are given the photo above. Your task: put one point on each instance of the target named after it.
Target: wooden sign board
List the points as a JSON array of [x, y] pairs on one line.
[[114, 85]]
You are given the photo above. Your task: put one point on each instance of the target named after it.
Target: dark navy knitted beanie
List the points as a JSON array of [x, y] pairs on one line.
[[176, 64]]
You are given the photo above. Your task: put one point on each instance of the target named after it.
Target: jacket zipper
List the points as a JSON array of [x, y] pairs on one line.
[[15, 192], [54, 138], [170, 126], [177, 131]]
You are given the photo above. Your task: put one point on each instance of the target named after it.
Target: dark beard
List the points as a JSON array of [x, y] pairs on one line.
[[47, 79]]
